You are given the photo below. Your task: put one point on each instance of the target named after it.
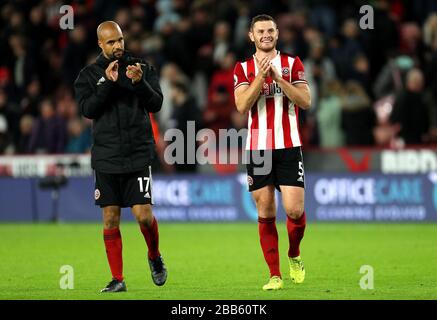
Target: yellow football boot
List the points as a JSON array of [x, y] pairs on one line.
[[297, 269], [275, 283]]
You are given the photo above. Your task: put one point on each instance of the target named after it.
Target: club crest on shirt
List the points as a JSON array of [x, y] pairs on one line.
[[96, 194], [285, 71]]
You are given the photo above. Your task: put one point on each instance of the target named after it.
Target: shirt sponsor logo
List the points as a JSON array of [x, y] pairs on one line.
[[271, 89]]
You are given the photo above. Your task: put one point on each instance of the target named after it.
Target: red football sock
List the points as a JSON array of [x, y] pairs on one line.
[[151, 235], [269, 243], [114, 247], [296, 230]]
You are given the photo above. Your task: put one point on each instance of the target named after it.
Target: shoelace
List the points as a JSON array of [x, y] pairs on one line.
[[297, 265], [111, 283]]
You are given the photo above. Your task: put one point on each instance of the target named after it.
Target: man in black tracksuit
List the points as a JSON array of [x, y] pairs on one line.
[[117, 92]]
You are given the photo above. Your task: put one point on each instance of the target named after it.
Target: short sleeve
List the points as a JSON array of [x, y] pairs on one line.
[[297, 72], [239, 76]]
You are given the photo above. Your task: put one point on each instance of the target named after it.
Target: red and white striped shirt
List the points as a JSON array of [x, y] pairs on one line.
[[274, 120]]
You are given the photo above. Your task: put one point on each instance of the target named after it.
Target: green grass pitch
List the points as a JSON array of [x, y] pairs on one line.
[[221, 261]]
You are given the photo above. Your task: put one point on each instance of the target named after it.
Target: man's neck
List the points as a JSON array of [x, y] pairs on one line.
[[259, 54]]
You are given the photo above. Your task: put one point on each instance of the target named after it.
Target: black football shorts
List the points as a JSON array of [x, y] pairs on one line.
[[285, 168], [124, 189]]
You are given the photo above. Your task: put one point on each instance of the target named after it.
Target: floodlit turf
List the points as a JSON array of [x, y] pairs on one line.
[[220, 261]]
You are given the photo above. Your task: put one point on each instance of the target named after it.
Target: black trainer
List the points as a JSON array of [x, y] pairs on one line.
[[115, 286], [159, 271]]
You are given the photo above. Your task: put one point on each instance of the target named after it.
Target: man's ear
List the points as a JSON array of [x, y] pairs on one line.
[[99, 43], [251, 36], [277, 34]]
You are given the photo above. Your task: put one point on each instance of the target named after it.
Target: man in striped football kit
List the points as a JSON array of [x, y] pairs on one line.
[[271, 87]]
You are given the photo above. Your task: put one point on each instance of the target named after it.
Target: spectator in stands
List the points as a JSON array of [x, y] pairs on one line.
[[217, 114], [79, 137], [329, 115], [22, 64], [176, 47], [75, 55], [351, 47], [383, 40], [32, 99], [391, 78], [241, 27], [40, 37], [361, 73], [287, 41], [48, 132], [319, 70], [196, 36], [26, 124], [410, 111], [170, 72], [221, 41], [10, 113], [430, 30], [166, 14], [6, 145], [358, 118], [223, 77], [5, 77], [185, 109]]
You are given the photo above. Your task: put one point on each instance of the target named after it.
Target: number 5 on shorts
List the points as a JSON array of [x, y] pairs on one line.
[[300, 172]]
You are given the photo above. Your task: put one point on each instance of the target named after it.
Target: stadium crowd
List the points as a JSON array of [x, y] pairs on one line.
[[371, 87]]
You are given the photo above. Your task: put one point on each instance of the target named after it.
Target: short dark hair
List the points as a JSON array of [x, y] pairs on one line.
[[261, 17]]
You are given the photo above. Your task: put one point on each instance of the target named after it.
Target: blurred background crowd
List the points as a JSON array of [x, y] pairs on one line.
[[374, 88]]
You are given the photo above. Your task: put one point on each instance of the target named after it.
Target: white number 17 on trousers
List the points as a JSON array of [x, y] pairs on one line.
[[140, 181]]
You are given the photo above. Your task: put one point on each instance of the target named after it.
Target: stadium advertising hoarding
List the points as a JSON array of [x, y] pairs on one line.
[[372, 197], [46, 165], [403, 189], [335, 160], [371, 160], [334, 197], [329, 197]]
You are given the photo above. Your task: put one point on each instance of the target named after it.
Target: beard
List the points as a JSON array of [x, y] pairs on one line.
[[266, 47], [117, 54]]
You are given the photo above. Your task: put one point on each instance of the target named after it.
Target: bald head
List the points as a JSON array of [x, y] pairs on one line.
[[107, 28], [110, 39]]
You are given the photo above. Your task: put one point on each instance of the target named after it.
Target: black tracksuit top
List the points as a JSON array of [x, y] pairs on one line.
[[122, 134]]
